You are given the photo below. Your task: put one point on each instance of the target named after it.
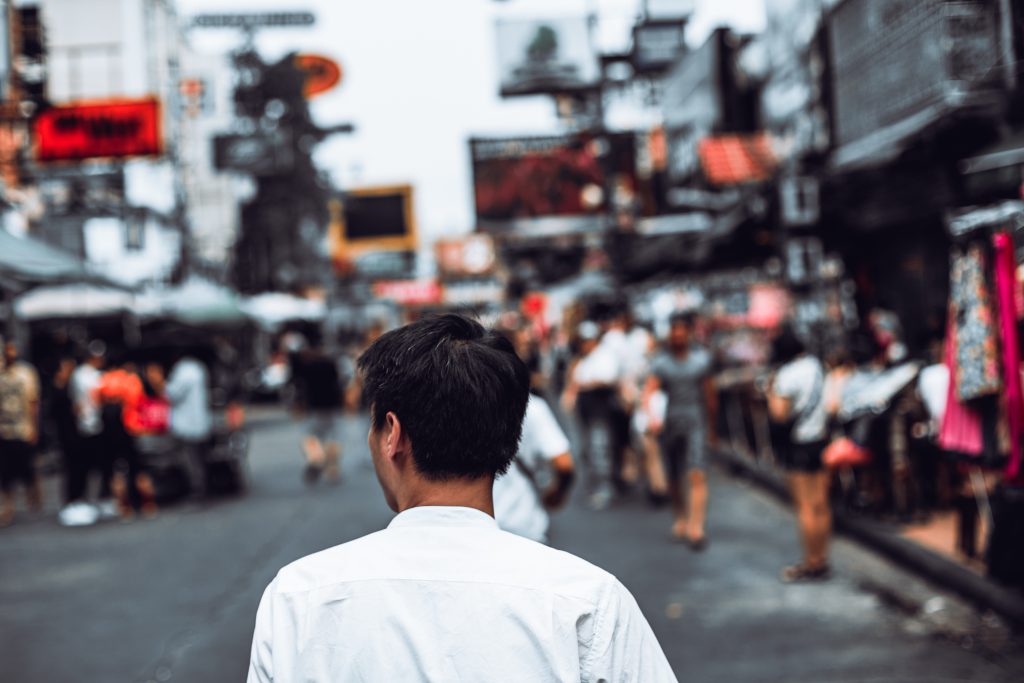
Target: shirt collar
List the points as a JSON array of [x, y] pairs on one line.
[[442, 515]]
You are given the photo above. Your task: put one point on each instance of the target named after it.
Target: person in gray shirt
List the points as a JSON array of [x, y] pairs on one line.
[[683, 372]]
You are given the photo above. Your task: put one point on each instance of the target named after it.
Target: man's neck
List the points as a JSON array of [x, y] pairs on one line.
[[469, 493]]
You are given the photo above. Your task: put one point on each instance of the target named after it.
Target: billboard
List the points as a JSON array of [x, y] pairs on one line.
[[552, 184], [544, 56], [261, 154], [114, 129], [691, 107], [373, 219]]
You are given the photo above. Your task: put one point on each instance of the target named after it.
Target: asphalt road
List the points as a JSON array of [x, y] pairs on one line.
[[173, 599]]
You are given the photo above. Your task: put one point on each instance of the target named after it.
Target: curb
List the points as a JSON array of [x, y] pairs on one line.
[[943, 572]]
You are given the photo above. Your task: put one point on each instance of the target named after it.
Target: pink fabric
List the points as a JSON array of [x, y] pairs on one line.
[[961, 426], [1006, 302]]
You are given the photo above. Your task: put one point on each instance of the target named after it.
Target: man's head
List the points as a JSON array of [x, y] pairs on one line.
[[96, 354], [447, 403], [10, 352], [680, 330]]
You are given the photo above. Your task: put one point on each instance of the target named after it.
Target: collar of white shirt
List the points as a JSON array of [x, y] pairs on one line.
[[442, 515]]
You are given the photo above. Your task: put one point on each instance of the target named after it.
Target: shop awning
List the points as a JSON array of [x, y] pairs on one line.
[[274, 309], [30, 262], [196, 302], [1008, 152], [73, 301], [737, 159]]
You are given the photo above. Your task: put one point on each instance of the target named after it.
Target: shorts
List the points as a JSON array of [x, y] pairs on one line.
[[323, 426], [683, 448], [16, 463], [804, 457]]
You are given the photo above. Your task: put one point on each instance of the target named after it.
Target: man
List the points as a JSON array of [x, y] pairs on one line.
[[321, 395], [85, 381], [684, 374], [19, 432], [518, 505], [188, 391], [443, 594]]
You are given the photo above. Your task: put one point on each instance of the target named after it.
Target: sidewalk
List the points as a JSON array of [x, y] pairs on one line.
[[914, 549]]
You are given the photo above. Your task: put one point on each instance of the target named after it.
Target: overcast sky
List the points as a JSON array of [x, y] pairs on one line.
[[421, 78]]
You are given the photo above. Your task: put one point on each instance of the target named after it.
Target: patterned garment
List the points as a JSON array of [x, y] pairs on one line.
[[977, 348]]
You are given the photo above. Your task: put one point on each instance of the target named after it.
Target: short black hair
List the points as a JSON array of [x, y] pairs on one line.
[[787, 346], [688, 318], [460, 392]]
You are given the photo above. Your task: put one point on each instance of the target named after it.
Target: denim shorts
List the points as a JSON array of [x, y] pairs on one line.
[[683, 447]]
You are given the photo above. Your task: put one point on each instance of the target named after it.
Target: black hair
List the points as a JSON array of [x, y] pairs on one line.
[[864, 348], [459, 390], [786, 346], [688, 318]]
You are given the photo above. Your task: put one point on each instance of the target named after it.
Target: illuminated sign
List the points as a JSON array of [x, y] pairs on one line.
[[373, 219], [101, 129], [322, 74]]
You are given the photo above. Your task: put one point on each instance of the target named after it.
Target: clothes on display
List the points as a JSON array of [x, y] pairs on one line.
[[960, 431], [1006, 300], [977, 348]]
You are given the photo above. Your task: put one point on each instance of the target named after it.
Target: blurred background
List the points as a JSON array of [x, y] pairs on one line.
[[217, 196]]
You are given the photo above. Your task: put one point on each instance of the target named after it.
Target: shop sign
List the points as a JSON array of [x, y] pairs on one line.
[[261, 154], [254, 20], [473, 255], [898, 66], [657, 44], [322, 74], [473, 293], [545, 56], [409, 292], [115, 129], [373, 219], [691, 107]]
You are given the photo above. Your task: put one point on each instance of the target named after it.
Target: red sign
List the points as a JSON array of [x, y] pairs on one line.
[[322, 74], [409, 292], [90, 130]]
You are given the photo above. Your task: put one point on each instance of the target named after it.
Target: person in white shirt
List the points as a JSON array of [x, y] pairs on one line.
[[519, 506], [188, 391], [92, 449], [443, 594]]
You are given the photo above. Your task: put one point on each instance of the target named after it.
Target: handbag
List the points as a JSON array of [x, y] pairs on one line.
[[845, 452]]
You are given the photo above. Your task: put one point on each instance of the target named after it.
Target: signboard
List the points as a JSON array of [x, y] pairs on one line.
[[258, 155], [373, 219], [101, 129], [473, 293], [657, 45], [544, 56], [691, 107], [322, 74], [254, 20], [551, 185], [409, 292], [467, 257], [899, 66]]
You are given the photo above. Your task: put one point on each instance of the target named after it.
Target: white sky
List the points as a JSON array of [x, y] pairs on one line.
[[420, 79]]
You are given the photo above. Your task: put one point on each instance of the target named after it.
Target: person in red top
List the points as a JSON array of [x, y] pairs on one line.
[[121, 394]]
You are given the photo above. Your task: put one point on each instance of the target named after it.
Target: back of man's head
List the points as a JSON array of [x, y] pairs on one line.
[[459, 391]]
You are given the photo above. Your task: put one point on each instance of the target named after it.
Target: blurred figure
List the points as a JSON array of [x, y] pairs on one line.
[[19, 433], [796, 403], [320, 396], [76, 462], [188, 391], [93, 452], [120, 394], [519, 506], [683, 372], [592, 394]]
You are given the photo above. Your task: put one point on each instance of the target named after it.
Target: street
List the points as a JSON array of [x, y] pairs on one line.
[[174, 598]]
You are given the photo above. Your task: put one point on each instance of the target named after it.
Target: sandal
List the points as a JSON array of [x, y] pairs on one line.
[[801, 572]]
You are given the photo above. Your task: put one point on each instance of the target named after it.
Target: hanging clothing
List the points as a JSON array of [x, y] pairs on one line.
[[1006, 301], [977, 348], [961, 425]]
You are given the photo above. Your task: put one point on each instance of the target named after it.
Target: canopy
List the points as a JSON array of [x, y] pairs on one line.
[[273, 309], [73, 301], [30, 262], [196, 302]]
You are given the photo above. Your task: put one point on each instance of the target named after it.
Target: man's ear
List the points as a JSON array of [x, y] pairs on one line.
[[394, 436]]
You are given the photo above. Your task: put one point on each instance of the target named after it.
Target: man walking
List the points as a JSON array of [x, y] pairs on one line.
[[188, 391], [443, 593], [321, 397], [683, 372]]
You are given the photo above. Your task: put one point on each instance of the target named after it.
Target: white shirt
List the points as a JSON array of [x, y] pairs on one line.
[[190, 400], [603, 365], [517, 504], [442, 594], [84, 381], [802, 381]]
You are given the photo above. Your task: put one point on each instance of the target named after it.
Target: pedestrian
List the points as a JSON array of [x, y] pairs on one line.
[[76, 465], [188, 391], [93, 452], [443, 593], [19, 433], [797, 404], [592, 395], [519, 506], [683, 372], [320, 396], [121, 394]]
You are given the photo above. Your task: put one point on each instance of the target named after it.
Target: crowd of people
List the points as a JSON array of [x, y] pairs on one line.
[[99, 406]]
